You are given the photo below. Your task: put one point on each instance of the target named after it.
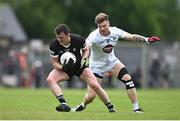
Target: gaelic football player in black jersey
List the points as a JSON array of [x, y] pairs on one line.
[[65, 41]]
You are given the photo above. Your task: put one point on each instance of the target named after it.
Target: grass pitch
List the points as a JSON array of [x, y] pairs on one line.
[[31, 104]]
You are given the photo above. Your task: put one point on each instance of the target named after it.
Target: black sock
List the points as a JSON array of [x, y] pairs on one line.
[[109, 106], [61, 99]]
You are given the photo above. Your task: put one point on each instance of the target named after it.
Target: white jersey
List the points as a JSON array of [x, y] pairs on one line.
[[102, 56]]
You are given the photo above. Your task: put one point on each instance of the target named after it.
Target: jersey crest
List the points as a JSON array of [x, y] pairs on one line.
[[108, 48]]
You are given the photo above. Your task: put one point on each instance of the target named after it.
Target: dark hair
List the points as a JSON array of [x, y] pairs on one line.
[[62, 28], [101, 17]]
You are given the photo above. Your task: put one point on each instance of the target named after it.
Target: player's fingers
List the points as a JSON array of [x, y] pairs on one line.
[[64, 61]]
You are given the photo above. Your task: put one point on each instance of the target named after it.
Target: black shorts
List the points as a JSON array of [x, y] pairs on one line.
[[76, 71]]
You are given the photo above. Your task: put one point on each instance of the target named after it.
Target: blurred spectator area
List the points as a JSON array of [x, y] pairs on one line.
[[138, 58], [11, 33]]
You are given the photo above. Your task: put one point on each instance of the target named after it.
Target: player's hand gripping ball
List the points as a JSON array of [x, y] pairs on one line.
[[68, 60], [66, 56]]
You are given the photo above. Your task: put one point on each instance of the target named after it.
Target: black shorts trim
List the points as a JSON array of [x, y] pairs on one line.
[[98, 76]]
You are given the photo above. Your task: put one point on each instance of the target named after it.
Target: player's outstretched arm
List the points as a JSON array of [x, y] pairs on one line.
[[139, 38]]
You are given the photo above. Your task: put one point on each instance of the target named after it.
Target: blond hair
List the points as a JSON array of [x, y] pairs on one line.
[[101, 17]]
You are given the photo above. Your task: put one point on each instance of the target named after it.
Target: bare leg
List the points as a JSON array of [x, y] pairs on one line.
[[130, 92], [91, 94], [91, 81], [54, 77], [132, 95], [93, 89]]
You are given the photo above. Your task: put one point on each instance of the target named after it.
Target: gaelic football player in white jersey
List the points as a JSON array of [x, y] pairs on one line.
[[102, 59]]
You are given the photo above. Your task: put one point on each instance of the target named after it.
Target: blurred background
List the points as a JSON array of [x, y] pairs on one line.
[[26, 30]]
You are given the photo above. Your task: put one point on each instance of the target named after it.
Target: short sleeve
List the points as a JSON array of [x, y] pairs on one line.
[[90, 39], [82, 42], [53, 50], [119, 32]]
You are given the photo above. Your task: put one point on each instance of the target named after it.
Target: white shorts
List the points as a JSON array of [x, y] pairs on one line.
[[100, 70]]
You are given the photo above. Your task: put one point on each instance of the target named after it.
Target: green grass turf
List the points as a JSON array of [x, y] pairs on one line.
[[20, 104]]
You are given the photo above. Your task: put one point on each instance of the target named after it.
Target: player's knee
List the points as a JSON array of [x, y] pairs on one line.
[[50, 80], [123, 74], [126, 78], [94, 86]]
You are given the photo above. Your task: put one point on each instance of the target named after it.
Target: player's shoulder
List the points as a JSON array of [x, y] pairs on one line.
[[76, 36], [96, 31], [94, 34], [114, 28], [54, 43]]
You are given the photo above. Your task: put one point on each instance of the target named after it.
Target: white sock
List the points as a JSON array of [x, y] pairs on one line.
[[135, 106], [83, 105]]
